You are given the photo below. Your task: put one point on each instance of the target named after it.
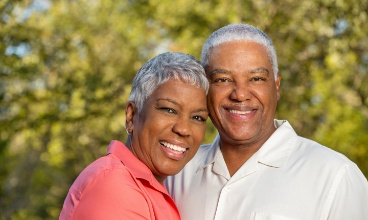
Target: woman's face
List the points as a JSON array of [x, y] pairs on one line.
[[170, 127]]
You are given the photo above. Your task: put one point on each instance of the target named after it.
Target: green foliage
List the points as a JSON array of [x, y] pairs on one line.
[[66, 68]]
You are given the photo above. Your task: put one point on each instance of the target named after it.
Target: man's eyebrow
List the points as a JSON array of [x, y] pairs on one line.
[[260, 70], [217, 71], [253, 71]]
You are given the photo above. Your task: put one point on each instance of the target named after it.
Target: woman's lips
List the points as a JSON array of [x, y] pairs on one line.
[[173, 151], [175, 148]]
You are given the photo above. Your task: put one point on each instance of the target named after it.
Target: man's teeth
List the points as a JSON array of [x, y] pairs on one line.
[[240, 112], [173, 147]]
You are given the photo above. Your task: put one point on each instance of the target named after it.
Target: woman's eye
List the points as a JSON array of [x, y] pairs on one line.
[[200, 118], [169, 110]]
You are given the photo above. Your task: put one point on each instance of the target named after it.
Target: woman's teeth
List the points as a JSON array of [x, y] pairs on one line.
[[173, 147]]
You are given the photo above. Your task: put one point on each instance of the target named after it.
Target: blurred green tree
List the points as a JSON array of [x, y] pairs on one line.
[[66, 68]]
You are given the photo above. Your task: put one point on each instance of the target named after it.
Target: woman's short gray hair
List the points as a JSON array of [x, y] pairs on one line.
[[240, 32], [161, 68]]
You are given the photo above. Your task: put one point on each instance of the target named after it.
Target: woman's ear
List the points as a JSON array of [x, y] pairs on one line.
[[130, 115]]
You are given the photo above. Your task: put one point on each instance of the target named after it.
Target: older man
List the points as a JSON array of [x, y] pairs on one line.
[[258, 167]]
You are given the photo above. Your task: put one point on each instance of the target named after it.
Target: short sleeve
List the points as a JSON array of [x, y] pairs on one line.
[[349, 197]]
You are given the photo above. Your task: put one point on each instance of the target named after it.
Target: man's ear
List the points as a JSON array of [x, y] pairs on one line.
[[278, 83], [130, 115]]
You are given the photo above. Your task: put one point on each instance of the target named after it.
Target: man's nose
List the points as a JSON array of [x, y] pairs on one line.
[[241, 92]]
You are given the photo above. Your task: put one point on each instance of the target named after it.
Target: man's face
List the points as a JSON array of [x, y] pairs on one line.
[[243, 92]]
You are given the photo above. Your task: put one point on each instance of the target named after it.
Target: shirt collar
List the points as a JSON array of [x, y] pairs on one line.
[[214, 156], [137, 167], [210, 156], [276, 150], [273, 153]]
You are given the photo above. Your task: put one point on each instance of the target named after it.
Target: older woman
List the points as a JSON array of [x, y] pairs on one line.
[[165, 119]]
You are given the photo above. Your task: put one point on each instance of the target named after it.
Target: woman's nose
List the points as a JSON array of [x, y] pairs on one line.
[[182, 127]]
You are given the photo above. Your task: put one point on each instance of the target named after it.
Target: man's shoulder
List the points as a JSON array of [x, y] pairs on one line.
[[319, 153], [205, 147], [204, 151], [310, 149]]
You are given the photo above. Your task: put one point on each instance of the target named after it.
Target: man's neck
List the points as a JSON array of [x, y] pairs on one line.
[[236, 156]]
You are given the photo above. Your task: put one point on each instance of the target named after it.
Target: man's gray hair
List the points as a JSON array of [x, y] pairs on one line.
[[161, 68], [240, 32]]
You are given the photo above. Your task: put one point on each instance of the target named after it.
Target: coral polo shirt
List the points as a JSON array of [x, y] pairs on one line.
[[118, 186]]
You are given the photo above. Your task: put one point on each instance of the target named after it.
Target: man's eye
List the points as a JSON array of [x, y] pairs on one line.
[[256, 79], [222, 80]]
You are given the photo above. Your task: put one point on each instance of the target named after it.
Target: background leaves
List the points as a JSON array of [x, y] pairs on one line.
[[66, 68]]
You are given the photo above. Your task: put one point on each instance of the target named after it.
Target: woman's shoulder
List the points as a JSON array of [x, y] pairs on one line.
[[107, 168]]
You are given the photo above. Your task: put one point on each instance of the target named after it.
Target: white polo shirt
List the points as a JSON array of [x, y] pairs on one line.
[[289, 177]]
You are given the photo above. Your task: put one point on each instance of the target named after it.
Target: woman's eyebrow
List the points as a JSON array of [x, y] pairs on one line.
[[167, 100]]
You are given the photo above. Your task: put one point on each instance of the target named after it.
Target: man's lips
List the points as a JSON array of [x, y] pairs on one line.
[[240, 109], [240, 112]]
